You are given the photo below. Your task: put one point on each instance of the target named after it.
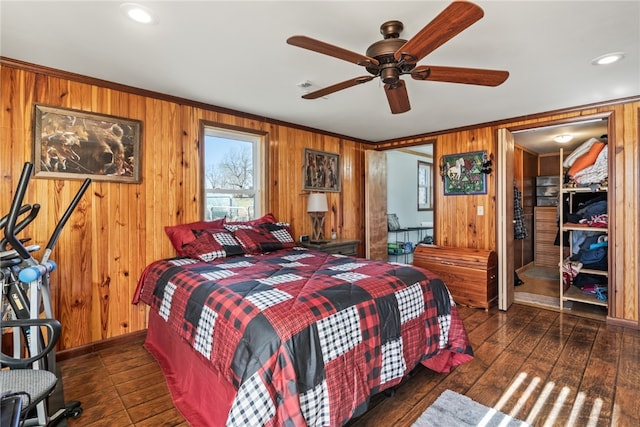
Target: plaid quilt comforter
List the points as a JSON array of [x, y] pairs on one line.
[[306, 337]]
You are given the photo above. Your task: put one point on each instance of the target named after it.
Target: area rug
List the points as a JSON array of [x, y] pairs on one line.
[[454, 409]]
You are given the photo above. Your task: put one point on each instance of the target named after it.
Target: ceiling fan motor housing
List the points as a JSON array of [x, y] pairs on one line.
[[389, 68]]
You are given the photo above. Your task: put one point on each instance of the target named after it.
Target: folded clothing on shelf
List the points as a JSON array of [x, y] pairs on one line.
[[600, 292], [601, 221], [590, 256], [585, 279], [570, 269]]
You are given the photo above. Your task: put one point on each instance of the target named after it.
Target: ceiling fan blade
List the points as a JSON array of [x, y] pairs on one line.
[[397, 97], [470, 76], [450, 22], [331, 50], [336, 87]]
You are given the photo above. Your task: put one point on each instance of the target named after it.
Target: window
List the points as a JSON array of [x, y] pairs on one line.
[[425, 186], [232, 174]]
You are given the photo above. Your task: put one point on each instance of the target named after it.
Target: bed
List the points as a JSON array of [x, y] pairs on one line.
[[273, 334]]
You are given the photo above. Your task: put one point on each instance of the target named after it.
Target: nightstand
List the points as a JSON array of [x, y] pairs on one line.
[[338, 246]]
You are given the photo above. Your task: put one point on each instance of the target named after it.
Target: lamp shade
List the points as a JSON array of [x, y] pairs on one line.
[[317, 203]]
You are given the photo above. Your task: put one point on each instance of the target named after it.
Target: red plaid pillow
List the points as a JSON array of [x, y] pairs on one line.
[[182, 234], [262, 238], [212, 244], [262, 220]]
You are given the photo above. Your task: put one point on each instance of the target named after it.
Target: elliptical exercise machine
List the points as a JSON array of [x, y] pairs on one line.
[[25, 287]]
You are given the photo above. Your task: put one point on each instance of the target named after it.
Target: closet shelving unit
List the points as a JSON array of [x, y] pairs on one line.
[[573, 293]]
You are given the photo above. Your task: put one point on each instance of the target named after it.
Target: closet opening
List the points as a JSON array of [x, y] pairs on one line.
[[547, 251]]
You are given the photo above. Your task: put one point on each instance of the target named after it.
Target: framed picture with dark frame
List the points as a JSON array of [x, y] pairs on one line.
[[463, 173], [73, 144], [321, 171]]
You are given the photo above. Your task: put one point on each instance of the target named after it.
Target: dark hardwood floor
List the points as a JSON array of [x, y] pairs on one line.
[[538, 365]]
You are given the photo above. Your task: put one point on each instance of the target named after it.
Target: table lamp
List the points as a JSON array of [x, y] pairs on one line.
[[317, 206]]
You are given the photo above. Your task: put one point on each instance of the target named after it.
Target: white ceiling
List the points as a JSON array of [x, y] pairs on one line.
[[541, 140], [233, 54]]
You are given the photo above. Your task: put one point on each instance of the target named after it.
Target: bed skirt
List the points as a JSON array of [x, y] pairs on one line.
[[203, 398]]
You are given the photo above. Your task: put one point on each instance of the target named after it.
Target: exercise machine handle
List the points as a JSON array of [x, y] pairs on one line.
[[22, 224], [16, 204], [22, 210]]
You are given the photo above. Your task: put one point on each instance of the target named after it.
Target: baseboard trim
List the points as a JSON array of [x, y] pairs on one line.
[[631, 324], [100, 345]]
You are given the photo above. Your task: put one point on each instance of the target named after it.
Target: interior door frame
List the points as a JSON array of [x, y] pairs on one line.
[[505, 152], [375, 209], [504, 218]]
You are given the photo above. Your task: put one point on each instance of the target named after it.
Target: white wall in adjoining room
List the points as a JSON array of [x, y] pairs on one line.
[[402, 189]]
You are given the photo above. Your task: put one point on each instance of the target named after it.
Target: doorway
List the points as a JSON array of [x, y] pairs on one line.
[[410, 200], [540, 186], [400, 183]]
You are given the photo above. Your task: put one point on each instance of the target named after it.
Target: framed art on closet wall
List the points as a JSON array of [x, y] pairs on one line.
[[74, 144], [463, 173]]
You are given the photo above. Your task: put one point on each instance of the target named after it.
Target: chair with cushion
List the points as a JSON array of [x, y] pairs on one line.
[[23, 386]]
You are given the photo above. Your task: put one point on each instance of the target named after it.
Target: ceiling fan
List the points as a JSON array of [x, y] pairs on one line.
[[392, 57]]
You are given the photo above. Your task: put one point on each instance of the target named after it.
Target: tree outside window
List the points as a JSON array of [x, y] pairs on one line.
[[231, 175]]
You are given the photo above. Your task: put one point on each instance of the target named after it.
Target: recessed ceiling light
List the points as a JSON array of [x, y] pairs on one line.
[[607, 59], [138, 13], [562, 139]]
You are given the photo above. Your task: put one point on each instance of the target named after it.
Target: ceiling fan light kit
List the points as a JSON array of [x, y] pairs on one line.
[[392, 57]]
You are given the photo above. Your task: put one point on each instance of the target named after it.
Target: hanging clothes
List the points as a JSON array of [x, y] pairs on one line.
[[520, 229]]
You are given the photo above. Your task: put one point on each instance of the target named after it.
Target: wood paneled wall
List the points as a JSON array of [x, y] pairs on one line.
[[459, 225], [118, 228]]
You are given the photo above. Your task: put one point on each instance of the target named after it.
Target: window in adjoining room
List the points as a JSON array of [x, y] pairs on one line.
[[425, 186], [232, 174]]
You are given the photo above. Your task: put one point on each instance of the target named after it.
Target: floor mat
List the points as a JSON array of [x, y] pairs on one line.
[[453, 409], [541, 281], [541, 273]]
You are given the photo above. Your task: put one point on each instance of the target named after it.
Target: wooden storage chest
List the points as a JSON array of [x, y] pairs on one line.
[[470, 274]]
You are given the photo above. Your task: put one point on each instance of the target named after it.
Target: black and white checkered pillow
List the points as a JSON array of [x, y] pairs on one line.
[[213, 244], [261, 238]]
